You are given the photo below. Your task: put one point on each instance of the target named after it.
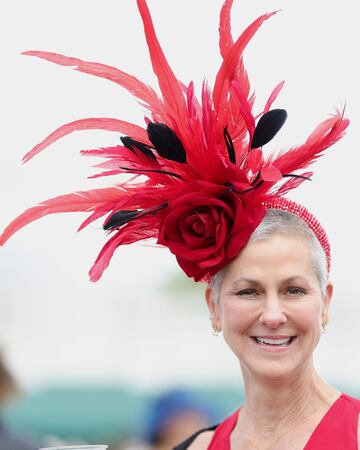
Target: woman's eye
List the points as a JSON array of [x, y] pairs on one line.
[[295, 291], [247, 293]]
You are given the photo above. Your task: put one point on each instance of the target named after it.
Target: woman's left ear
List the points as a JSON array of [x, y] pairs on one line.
[[326, 302]]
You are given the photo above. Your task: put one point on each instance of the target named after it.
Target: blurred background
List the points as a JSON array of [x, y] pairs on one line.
[[90, 361]]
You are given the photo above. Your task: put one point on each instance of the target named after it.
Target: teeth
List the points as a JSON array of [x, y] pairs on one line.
[[273, 341]]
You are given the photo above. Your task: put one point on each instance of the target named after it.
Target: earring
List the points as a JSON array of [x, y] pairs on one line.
[[216, 329], [323, 327]]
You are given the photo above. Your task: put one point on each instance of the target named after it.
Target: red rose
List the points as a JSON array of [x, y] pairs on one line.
[[206, 226]]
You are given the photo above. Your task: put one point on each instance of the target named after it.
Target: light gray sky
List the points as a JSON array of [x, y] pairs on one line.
[[54, 323]]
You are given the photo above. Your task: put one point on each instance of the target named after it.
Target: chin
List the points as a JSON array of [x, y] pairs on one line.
[[272, 370]]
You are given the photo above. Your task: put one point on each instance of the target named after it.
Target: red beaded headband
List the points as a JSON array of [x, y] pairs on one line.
[[207, 180], [311, 221]]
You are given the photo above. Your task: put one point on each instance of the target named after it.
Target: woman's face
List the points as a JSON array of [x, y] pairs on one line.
[[270, 291]]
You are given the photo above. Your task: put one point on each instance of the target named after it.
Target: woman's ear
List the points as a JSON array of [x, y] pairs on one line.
[[212, 305], [326, 302]]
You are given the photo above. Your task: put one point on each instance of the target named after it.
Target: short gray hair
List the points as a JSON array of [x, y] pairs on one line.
[[283, 222]]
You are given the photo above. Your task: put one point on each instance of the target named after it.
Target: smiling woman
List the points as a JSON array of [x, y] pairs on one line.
[[271, 304], [198, 181]]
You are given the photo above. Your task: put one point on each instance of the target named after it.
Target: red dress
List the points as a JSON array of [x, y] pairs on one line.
[[337, 430]]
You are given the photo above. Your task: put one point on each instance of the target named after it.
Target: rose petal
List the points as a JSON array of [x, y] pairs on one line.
[[214, 261], [192, 252], [209, 219], [194, 242], [222, 231], [194, 224], [190, 268], [199, 227]]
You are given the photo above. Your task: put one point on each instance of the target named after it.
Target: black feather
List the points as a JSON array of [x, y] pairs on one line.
[[120, 218], [131, 144], [293, 175], [229, 146], [164, 172], [267, 127], [231, 188], [165, 142]]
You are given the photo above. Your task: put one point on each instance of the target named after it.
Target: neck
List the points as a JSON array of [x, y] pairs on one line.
[[274, 403]]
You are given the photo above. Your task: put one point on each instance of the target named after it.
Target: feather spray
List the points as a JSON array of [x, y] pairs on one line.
[[198, 180]]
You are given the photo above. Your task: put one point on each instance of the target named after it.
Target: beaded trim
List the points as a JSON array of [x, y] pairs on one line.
[[285, 204]]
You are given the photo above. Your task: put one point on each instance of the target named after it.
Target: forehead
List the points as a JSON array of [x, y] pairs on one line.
[[278, 256]]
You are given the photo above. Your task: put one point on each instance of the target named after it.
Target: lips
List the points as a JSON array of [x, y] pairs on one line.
[[274, 341]]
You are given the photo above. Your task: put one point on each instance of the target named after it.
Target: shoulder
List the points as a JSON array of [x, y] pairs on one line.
[[355, 402], [202, 438], [198, 441], [359, 431], [202, 441]]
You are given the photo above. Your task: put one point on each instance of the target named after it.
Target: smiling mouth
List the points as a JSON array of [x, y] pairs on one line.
[[274, 342]]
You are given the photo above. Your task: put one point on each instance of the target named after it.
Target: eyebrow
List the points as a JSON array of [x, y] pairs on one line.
[[250, 281], [257, 282]]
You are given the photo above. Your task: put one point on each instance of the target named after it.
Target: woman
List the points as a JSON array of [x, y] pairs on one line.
[[271, 303], [201, 185], [9, 440], [172, 416]]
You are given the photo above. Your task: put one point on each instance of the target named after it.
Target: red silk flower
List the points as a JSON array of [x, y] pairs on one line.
[[206, 226]]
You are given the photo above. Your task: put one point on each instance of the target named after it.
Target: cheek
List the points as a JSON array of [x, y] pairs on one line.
[[237, 317], [307, 317]]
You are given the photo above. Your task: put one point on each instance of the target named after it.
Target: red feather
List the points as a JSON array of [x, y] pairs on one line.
[[226, 41], [100, 212], [129, 82], [121, 156], [273, 96], [77, 201], [324, 135], [271, 174], [293, 183], [120, 126], [245, 109], [169, 85], [230, 63], [255, 160], [130, 233], [106, 173]]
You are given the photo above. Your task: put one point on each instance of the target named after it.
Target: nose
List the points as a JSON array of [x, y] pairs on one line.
[[272, 314]]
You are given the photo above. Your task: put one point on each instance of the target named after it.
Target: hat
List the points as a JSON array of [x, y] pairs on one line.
[[199, 181]]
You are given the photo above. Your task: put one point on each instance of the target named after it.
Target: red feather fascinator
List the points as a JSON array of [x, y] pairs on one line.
[[207, 182]]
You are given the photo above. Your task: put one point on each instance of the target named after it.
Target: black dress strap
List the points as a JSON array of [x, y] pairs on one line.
[[185, 444]]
